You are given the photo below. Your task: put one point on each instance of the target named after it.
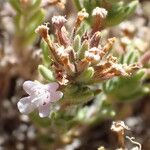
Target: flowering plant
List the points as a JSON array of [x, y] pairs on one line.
[[77, 63]]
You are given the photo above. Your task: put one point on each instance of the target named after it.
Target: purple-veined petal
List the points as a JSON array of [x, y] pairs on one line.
[[25, 106], [30, 86], [44, 110], [56, 96], [52, 87]]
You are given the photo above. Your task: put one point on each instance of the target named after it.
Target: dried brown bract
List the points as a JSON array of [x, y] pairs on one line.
[[72, 57]]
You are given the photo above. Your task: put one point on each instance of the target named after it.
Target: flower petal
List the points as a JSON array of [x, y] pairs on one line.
[[41, 99], [56, 96], [30, 86], [25, 106], [52, 86], [44, 111]]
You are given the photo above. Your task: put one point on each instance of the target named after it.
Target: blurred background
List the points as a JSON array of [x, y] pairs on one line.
[[20, 55]]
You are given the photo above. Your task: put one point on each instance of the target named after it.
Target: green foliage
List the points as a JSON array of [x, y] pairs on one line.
[[86, 75], [84, 47], [118, 10], [113, 1], [46, 73], [16, 5], [45, 54], [99, 110], [127, 88], [83, 28], [123, 89], [28, 17], [77, 94], [40, 122], [77, 43], [64, 117]]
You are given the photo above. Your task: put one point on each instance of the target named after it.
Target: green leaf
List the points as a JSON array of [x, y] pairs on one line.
[[83, 28], [88, 6], [139, 75], [34, 22], [79, 95], [17, 19], [46, 73], [78, 4], [35, 6], [38, 15], [84, 47], [16, 5], [113, 1], [126, 88], [30, 39], [86, 75], [45, 52], [131, 57], [120, 12], [77, 43]]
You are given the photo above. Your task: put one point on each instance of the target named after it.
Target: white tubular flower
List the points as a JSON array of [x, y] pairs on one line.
[[40, 96], [83, 14], [102, 12], [58, 20]]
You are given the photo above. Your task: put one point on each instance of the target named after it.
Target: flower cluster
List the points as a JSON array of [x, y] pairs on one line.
[[74, 54]]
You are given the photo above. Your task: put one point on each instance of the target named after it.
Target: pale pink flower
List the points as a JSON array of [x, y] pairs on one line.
[[40, 96]]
